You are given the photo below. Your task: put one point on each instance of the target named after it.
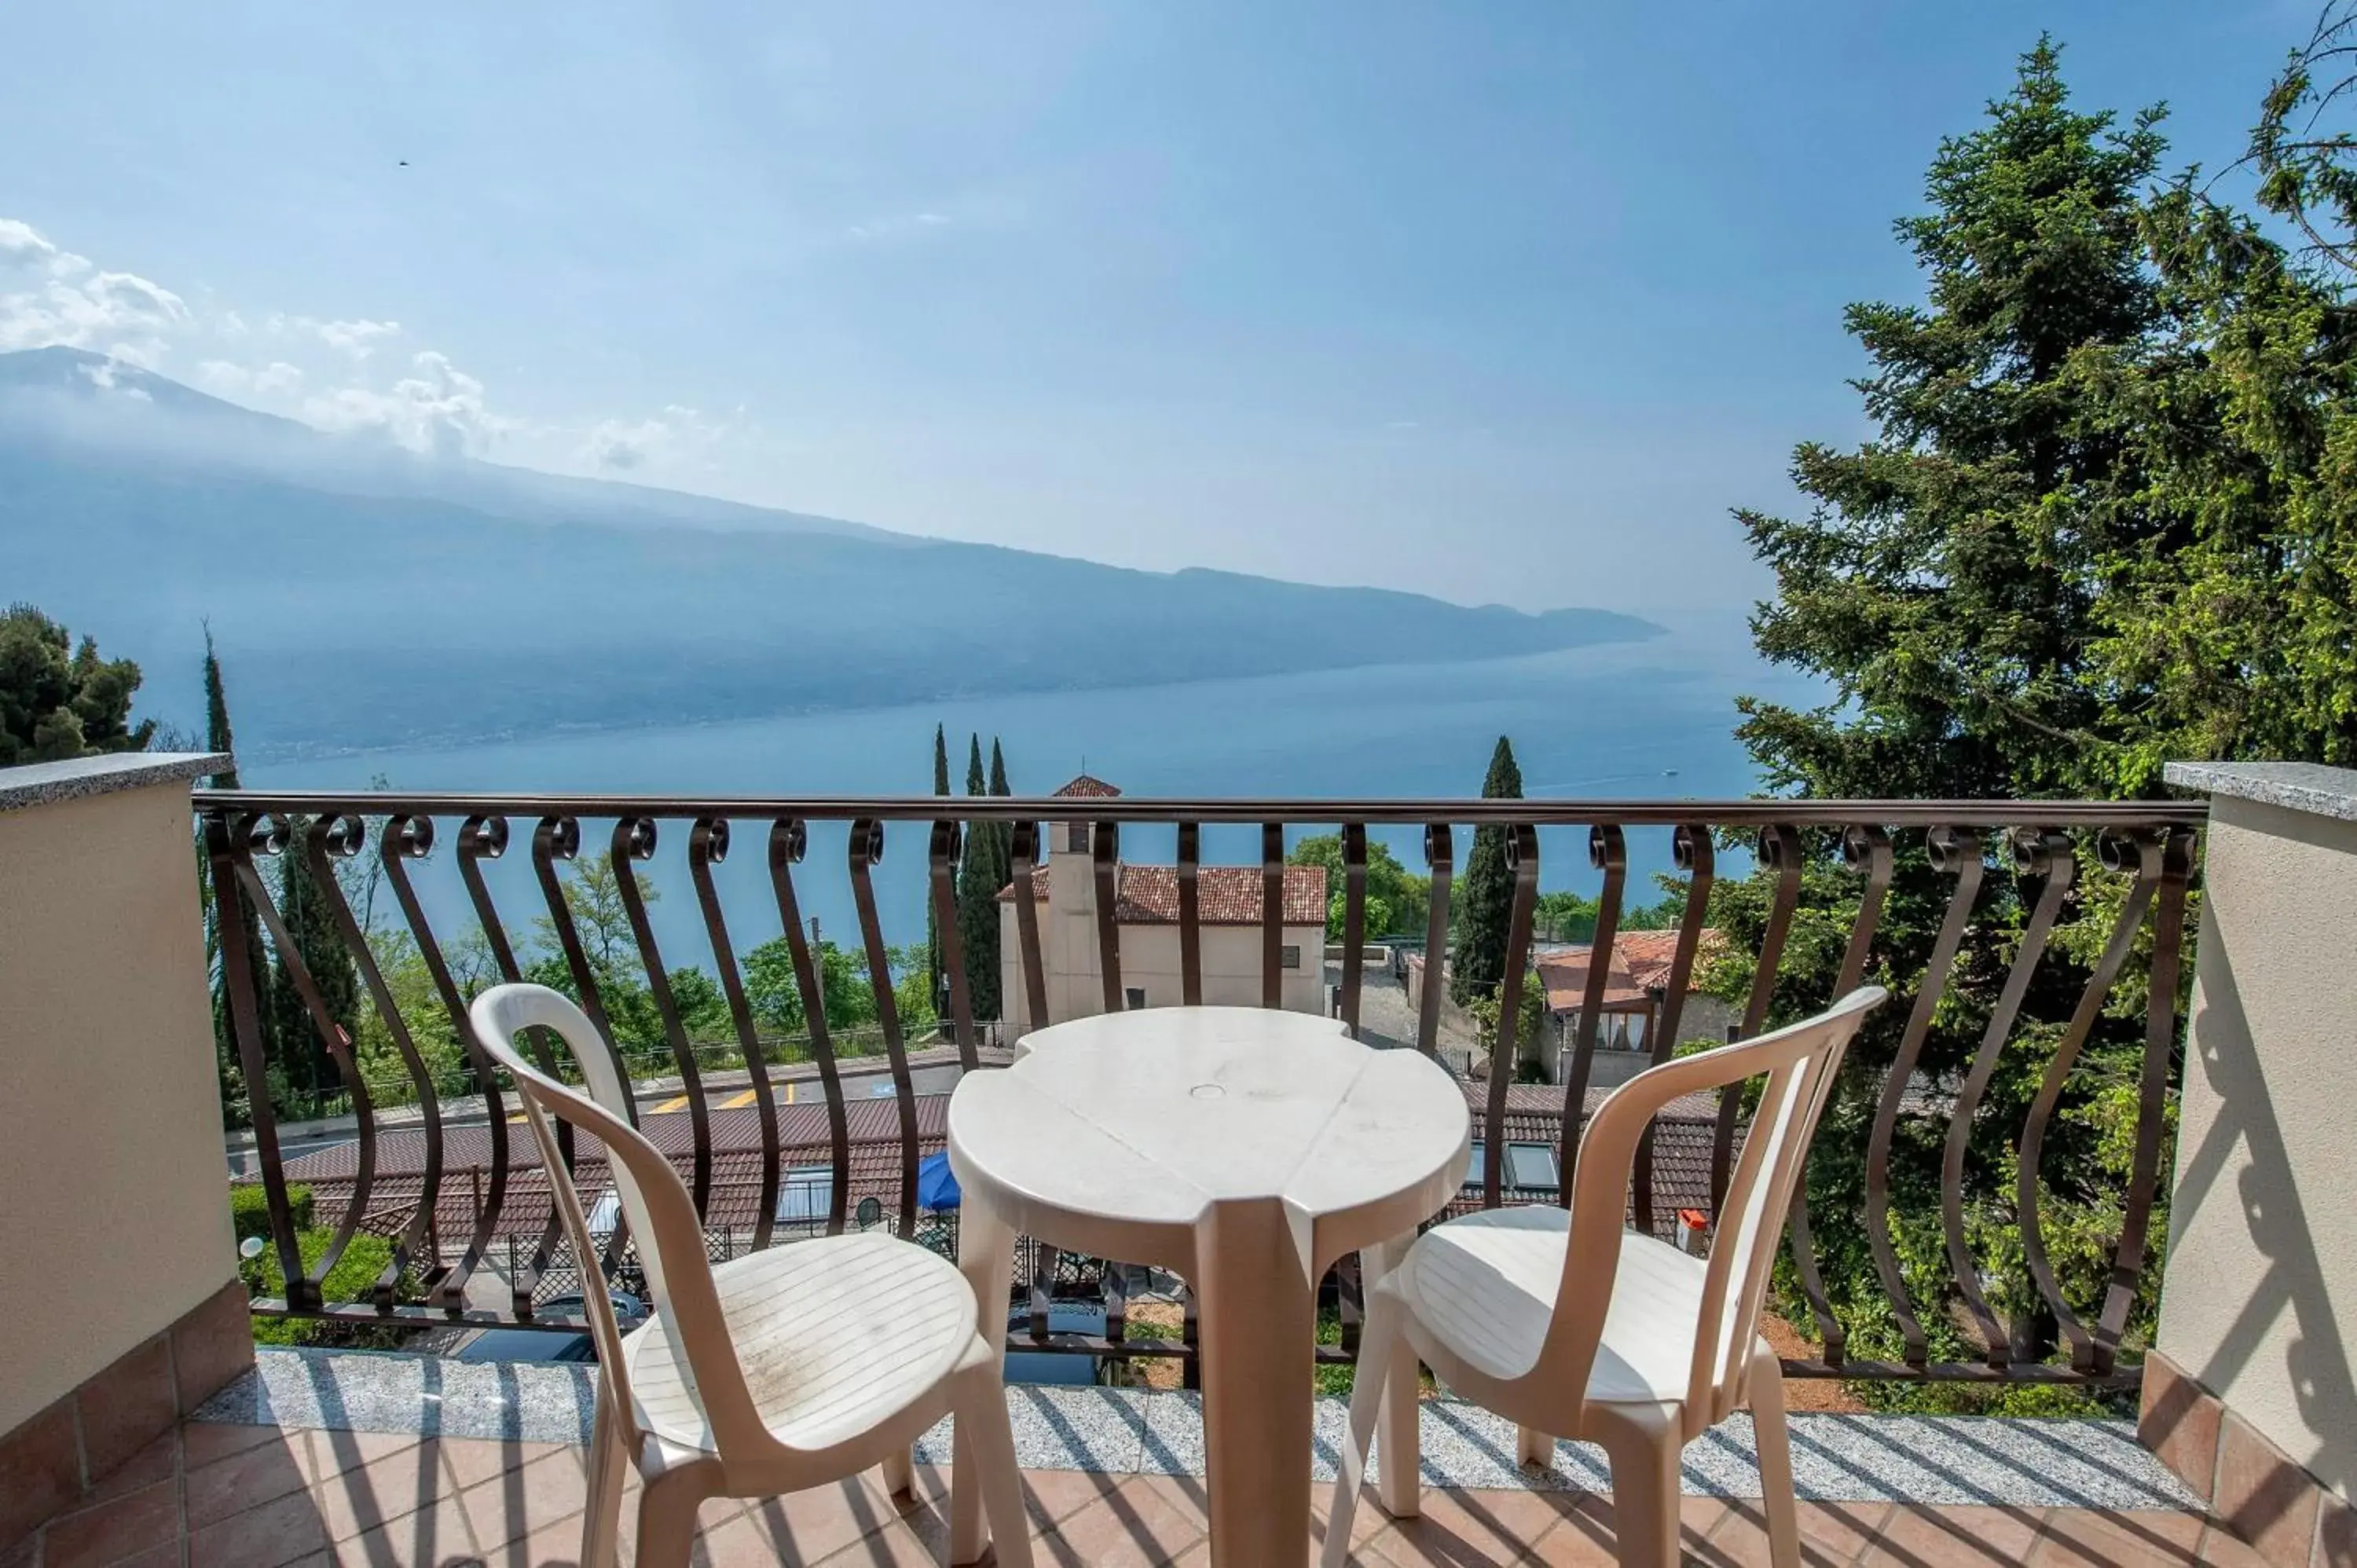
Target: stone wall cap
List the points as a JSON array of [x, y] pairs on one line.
[[47, 783], [2309, 787]]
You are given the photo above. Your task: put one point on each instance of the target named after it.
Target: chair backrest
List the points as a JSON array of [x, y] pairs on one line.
[[1798, 1064], [654, 1203]]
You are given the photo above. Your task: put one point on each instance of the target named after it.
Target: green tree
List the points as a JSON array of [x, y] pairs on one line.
[[220, 739], [1487, 907], [775, 994], [305, 910], [934, 972], [1960, 585], [58, 702], [1396, 897], [983, 871], [1529, 1026]]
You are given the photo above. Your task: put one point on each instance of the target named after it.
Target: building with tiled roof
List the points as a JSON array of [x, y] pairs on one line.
[[1083, 788], [1231, 908], [1635, 980]]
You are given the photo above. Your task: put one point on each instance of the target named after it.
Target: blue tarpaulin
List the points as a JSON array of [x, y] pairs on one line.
[[937, 1186]]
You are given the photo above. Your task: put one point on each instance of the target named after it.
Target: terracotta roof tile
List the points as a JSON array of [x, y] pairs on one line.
[[1225, 895], [1641, 960], [1084, 787]]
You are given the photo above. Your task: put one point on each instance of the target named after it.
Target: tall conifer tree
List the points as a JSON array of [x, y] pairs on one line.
[[1488, 891]]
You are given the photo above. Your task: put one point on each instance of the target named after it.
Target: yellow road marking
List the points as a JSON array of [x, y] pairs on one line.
[[789, 1091], [738, 1103], [678, 1104]]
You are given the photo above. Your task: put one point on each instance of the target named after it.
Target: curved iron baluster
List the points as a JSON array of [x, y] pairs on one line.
[[1867, 847], [1608, 850], [559, 839], [707, 847], [406, 838], [2047, 855], [1691, 852], [330, 839], [271, 833], [1023, 852], [222, 838], [943, 853], [2115, 849], [1954, 852], [2152, 1095], [1439, 858], [481, 838], [1272, 915], [1522, 861], [1355, 941], [634, 840], [789, 840], [866, 852], [1779, 854], [1105, 855], [1190, 913]]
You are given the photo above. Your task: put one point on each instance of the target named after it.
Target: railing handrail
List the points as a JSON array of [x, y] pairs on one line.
[[1748, 811]]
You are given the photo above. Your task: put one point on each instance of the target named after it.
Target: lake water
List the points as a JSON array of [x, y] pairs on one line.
[[1650, 720]]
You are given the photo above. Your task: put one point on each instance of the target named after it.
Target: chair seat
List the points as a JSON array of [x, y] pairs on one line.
[[835, 1335], [1484, 1286]]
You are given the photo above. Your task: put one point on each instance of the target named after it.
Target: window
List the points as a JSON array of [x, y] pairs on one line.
[[1291, 957], [1076, 837], [806, 1195], [1134, 996], [1531, 1167]]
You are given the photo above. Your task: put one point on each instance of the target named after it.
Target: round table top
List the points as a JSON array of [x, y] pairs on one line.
[[1126, 1126]]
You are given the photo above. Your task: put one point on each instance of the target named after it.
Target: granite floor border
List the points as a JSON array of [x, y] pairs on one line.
[[1941, 1460]]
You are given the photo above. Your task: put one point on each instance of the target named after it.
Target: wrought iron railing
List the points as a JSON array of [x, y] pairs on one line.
[[1991, 885]]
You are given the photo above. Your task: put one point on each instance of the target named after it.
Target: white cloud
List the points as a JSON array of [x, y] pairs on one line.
[[21, 244], [357, 338], [49, 296], [327, 370], [440, 410]]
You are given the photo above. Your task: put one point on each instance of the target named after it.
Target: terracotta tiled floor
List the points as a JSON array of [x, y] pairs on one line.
[[212, 1496]]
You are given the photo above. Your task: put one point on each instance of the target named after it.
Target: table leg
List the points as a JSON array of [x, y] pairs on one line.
[[1258, 1308], [986, 1258], [1399, 1444]]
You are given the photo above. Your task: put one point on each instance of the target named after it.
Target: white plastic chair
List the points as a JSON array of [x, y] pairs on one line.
[[797, 1367], [1570, 1323]]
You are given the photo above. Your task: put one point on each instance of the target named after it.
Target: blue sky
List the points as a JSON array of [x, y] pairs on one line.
[[1501, 301]]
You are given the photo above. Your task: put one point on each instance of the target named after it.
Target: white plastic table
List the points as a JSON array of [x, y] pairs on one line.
[[1245, 1149]]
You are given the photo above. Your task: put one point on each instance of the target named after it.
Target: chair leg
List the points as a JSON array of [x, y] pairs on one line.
[[1378, 1342], [1775, 1447], [899, 1472], [1642, 1446], [981, 1418], [667, 1520], [1533, 1446], [601, 1525]]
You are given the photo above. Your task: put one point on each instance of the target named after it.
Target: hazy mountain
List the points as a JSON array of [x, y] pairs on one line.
[[363, 594]]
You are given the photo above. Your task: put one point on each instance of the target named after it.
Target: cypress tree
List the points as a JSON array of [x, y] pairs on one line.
[[1487, 891], [980, 876], [936, 974], [219, 738], [304, 907]]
